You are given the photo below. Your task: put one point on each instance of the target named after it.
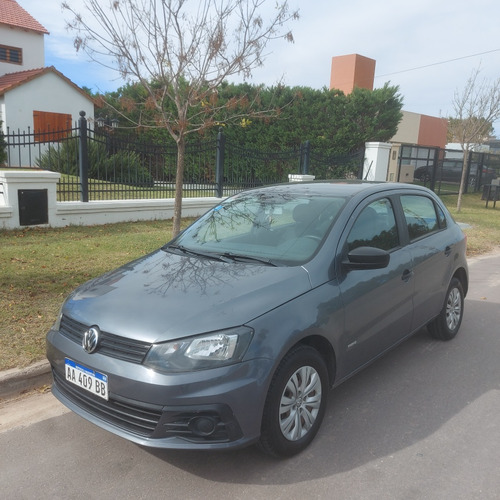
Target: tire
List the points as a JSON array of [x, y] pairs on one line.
[[446, 325], [295, 403]]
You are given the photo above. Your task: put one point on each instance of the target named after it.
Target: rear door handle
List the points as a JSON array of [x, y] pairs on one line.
[[447, 251]]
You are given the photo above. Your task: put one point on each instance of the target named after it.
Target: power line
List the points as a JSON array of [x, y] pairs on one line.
[[437, 63]]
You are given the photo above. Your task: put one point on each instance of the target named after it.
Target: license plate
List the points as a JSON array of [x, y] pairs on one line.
[[90, 380]]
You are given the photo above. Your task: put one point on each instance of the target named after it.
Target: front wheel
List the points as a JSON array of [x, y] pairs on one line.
[[295, 403], [447, 324]]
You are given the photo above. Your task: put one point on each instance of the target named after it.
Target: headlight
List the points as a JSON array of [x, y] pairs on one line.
[[199, 353], [57, 324]]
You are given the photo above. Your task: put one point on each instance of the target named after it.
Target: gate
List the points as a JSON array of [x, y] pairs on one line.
[[441, 169]]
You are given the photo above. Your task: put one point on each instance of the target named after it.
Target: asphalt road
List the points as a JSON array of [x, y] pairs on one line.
[[421, 423]]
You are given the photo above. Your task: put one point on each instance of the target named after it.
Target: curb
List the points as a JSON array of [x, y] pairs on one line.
[[17, 381]]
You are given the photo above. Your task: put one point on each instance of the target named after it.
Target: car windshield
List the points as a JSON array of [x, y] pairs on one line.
[[272, 227]]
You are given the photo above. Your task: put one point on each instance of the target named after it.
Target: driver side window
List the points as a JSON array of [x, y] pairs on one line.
[[375, 227]]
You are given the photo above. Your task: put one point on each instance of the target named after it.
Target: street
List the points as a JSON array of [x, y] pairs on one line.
[[420, 423]]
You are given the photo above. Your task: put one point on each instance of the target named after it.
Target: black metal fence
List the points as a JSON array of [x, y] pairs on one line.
[[441, 169], [98, 164]]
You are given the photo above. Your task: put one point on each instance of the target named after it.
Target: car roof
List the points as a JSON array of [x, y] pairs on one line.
[[342, 187]]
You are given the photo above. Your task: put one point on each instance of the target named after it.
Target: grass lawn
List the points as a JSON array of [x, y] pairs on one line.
[[483, 235], [39, 268], [103, 190]]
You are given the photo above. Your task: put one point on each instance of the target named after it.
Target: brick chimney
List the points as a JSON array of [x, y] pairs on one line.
[[352, 71]]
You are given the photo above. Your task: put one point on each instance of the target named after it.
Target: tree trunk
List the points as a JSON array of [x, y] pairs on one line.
[[462, 179], [179, 180]]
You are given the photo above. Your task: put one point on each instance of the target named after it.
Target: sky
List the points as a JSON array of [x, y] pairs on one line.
[[428, 48]]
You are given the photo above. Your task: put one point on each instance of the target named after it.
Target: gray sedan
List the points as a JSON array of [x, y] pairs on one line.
[[234, 332]]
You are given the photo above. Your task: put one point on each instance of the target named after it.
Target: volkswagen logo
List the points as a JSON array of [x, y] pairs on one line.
[[91, 339]]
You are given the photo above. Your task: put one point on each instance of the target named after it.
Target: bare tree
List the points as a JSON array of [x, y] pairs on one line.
[[477, 107], [181, 51]]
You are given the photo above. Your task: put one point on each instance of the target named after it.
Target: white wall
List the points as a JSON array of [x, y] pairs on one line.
[[32, 45], [408, 128], [62, 214]]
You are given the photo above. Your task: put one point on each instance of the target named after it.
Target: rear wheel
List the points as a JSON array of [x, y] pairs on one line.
[[295, 403], [447, 324]]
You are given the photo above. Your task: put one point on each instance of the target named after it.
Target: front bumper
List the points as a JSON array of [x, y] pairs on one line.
[[211, 409]]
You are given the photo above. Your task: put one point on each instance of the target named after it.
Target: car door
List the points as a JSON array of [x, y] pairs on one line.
[[377, 302], [432, 255]]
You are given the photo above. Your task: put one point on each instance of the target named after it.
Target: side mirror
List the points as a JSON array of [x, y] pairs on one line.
[[367, 258]]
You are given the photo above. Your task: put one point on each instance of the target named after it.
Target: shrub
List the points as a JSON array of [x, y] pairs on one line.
[[121, 166]]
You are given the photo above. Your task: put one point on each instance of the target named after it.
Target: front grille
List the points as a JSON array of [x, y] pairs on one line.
[[141, 420], [109, 345]]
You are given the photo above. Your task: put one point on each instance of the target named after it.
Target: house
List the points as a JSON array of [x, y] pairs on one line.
[[33, 98], [22, 39], [41, 100]]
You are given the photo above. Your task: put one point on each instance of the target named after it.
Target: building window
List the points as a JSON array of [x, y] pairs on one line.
[[51, 127], [12, 55]]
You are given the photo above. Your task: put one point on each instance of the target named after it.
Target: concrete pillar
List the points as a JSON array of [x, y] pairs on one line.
[[19, 187], [300, 178], [376, 161]]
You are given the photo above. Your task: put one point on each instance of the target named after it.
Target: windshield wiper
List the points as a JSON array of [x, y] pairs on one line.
[[196, 253], [223, 257], [247, 258]]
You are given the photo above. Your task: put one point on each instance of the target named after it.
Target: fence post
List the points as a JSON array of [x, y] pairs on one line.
[[435, 166], [479, 172], [361, 166], [469, 162], [83, 158], [305, 156], [219, 165]]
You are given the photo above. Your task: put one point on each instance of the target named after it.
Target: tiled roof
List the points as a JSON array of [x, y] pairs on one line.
[[13, 80], [12, 14]]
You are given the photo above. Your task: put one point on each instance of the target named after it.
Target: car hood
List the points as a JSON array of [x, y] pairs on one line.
[[164, 296]]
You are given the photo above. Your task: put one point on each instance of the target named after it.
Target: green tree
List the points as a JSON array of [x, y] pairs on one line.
[[373, 115], [329, 119]]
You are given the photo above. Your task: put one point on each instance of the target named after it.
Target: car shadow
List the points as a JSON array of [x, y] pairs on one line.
[[398, 401]]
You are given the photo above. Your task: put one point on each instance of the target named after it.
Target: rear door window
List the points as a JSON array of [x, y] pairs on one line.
[[420, 215]]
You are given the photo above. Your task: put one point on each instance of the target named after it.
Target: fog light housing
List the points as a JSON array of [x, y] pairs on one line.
[[202, 426]]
